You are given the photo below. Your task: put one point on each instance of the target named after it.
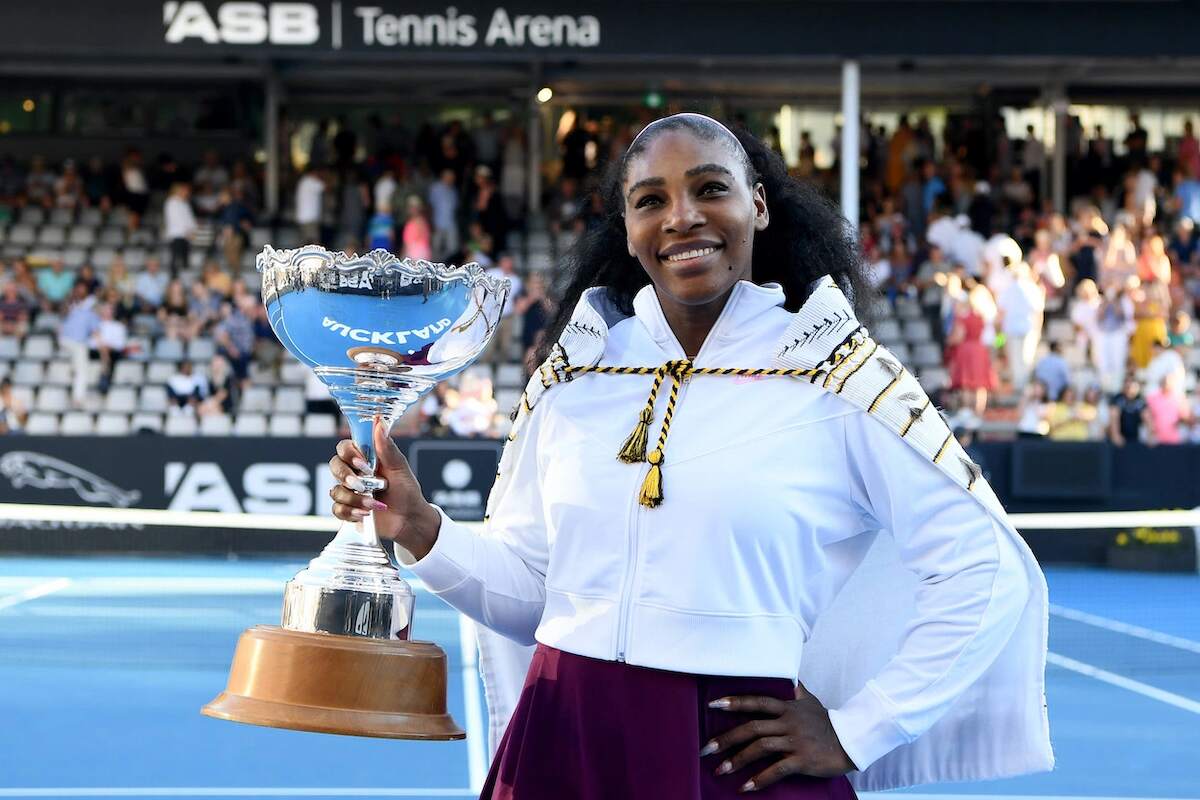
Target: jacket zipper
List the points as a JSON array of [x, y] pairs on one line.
[[635, 514]]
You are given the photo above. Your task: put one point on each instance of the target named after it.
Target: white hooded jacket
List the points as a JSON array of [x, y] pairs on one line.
[[927, 643]]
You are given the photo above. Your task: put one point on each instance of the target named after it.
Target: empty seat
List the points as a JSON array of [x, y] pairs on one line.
[[510, 376], [102, 257], [143, 237], [886, 330], [180, 425], [917, 330], [285, 425], [112, 425], [112, 237], [901, 351], [201, 349], [81, 237], [121, 399], [216, 425], [32, 215], [168, 350], [256, 399], [144, 421], [53, 399], [23, 235], [250, 425], [159, 371], [128, 373], [39, 347], [77, 423], [52, 236], [58, 373], [74, 257], [507, 399], [293, 372], [23, 395], [27, 373], [927, 355], [10, 347], [119, 217], [289, 400], [91, 217], [41, 424], [934, 378], [907, 308], [62, 216], [153, 398], [135, 257], [47, 322], [320, 425]]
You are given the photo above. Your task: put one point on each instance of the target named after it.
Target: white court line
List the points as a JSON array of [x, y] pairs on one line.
[[1144, 689], [230, 791], [34, 592], [476, 733], [1124, 627]]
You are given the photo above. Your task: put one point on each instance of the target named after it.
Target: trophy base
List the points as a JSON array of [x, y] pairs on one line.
[[326, 683]]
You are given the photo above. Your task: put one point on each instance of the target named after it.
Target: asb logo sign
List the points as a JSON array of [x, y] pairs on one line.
[[456, 475], [242, 23]]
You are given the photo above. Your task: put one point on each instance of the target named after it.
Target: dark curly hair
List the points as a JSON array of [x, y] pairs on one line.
[[807, 236]]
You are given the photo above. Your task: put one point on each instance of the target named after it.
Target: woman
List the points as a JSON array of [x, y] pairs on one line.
[[1114, 324], [1070, 420], [669, 623], [417, 236], [1085, 308], [971, 360], [1151, 307], [173, 313], [1032, 409]]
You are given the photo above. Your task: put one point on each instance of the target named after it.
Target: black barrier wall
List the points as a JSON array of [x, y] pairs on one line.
[[291, 476]]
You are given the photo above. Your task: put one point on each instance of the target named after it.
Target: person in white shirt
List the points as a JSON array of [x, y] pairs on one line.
[[179, 225], [109, 341], [500, 348], [675, 593], [1021, 306], [310, 192]]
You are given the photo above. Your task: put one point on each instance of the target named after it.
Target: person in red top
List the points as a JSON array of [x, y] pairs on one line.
[[970, 359]]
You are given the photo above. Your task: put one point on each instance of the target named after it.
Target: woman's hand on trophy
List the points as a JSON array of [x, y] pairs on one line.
[[402, 514]]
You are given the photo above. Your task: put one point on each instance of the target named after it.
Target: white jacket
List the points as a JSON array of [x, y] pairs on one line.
[[763, 559]]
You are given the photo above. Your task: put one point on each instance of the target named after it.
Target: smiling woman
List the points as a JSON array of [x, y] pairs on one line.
[[822, 524]]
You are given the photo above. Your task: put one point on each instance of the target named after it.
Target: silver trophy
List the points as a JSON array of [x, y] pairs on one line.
[[379, 332]]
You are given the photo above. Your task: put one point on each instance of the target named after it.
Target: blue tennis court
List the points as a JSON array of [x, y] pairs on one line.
[[105, 663]]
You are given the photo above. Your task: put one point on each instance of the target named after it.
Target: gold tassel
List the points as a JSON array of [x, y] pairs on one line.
[[634, 449], [652, 493]]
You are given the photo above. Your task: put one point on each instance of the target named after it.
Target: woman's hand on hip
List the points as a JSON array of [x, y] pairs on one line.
[[797, 734], [402, 514]]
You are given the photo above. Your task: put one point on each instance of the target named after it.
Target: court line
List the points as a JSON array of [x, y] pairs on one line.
[[1123, 627], [477, 764], [1144, 689], [34, 592], [230, 791]]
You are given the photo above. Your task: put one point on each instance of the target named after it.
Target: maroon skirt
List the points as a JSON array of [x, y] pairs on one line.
[[588, 729]]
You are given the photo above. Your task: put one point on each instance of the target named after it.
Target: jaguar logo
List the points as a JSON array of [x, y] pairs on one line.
[[23, 468]]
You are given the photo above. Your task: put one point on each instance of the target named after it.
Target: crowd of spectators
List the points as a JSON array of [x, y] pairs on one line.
[[1071, 326]]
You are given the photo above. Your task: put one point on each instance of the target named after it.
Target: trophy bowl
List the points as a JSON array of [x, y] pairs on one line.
[[379, 332]]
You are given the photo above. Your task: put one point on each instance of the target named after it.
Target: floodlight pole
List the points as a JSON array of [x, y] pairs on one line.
[[1059, 177], [271, 146], [850, 131], [533, 141]]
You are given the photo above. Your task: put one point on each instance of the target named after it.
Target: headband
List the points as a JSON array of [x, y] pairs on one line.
[[704, 117]]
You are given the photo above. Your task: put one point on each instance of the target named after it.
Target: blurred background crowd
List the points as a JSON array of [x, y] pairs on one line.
[[129, 299]]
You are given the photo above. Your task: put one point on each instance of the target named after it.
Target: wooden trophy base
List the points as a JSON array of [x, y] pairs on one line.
[[325, 683]]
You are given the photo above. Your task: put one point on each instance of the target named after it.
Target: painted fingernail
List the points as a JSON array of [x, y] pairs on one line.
[[709, 749], [359, 513], [724, 768], [722, 703], [375, 505], [360, 463], [748, 786], [355, 484]]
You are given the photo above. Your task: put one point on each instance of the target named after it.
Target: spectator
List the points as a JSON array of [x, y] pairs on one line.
[[1068, 419], [1180, 335], [1187, 192], [150, 286], [217, 280], [1052, 371], [39, 183], [1119, 259], [179, 226], [119, 279], [109, 341], [75, 336], [1021, 306], [27, 285], [381, 229], [97, 188], [1093, 398], [173, 312], [87, 276], [487, 208], [1151, 305], [222, 389], [1167, 361], [501, 344], [1084, 313], [534, 307], [185, 390], [234, 335], [204, 309], [14, 312], [384, 192], [68, 189], [512, 171], [55, 285], [211, 180], [443, 203], [417, 236], [1128, 414], [310, 192], [134, 186], [1184, 248], [1168, 414], [234, 223], [1031, 411], [12, 411], [1189, 150], [971, 371]]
